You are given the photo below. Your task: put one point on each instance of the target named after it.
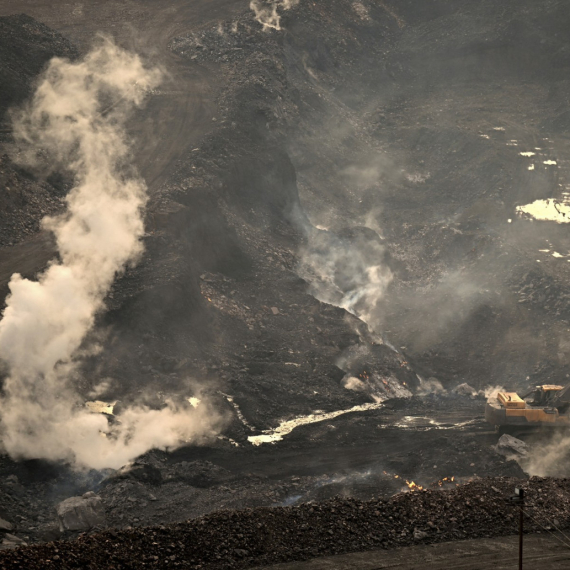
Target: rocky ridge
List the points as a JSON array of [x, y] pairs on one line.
[[244, 539]]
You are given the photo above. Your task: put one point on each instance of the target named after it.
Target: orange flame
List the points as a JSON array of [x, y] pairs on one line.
[[445, 480]]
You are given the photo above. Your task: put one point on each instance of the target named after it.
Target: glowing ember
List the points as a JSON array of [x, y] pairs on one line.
[[445, 480]]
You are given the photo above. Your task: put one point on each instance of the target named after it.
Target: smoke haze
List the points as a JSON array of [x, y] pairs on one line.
[[76, 119], [346, 272]]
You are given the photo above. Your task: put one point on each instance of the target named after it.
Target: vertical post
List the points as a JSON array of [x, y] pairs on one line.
[[520, 493]]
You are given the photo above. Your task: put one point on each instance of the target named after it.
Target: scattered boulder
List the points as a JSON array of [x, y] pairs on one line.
[[11, 541], [465, 390], [507, 445], [81, 513], [49, 532], [420, 534], [5, 526]]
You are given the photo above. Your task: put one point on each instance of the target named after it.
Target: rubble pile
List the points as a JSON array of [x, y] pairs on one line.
[[81, 513], [241, 539]]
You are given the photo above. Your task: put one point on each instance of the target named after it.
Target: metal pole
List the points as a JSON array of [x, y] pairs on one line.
[[521, 522]]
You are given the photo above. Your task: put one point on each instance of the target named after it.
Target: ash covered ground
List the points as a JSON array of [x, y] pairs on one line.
[[332, 247]]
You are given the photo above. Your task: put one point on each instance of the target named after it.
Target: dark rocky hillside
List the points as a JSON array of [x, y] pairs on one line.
[[332, 240]]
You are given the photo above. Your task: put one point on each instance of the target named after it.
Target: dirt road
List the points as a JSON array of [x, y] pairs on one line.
[[545, 552]]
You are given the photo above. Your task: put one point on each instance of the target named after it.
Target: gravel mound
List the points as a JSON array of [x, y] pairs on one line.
[[242, 539]]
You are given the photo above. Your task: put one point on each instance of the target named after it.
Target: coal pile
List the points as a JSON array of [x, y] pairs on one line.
[[242, 539]]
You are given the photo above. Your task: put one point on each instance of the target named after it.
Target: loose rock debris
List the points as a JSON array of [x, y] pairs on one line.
[[242, 539]]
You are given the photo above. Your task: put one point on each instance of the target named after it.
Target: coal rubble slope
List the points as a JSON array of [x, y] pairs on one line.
[[426, 150], [336, 117], [26, 46], [409, 122], [244, 539]]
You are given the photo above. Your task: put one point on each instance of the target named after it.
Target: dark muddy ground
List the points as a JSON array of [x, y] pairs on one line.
[[365, 134]]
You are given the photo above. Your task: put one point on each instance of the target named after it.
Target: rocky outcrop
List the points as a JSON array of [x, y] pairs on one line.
[[81, 513], [11, 541], [509, 445], [5, 526]]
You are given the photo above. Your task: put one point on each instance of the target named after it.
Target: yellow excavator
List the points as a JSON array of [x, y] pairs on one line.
[[543, 406]]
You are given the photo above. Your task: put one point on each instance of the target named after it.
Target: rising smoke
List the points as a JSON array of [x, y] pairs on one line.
[[267, 12], [346, 271], [76, 119], [548, 457]]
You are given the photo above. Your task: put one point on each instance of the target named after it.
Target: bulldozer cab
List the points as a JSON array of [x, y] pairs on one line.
[[547, 395]]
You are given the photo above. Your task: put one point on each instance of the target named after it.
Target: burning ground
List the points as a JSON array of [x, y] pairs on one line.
[[336, 239]]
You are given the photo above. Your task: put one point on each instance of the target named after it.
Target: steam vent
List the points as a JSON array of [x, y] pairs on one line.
[[285, 284]]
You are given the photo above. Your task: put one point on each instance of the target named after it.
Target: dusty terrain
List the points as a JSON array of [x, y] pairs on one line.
[[381, 139], [469, 555]]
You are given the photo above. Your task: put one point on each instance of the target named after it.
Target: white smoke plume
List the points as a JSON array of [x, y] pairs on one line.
[[267, 11], [490, 392], [548, 457], [77, 117], [347, 273]]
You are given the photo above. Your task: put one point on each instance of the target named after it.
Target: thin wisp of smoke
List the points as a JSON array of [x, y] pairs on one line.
[[267, 11], [548, 457], [431, 386], [77, 118]]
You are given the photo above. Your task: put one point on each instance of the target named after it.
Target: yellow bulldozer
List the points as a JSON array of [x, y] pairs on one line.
[[543, 406]]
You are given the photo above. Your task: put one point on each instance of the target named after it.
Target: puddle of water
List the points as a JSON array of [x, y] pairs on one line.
[[527, 154], [556, 254], [498, 128], [547, 210], [550, 162], [285, 428], [194, 402], [531, 167], [98, 407], [424, 423]]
